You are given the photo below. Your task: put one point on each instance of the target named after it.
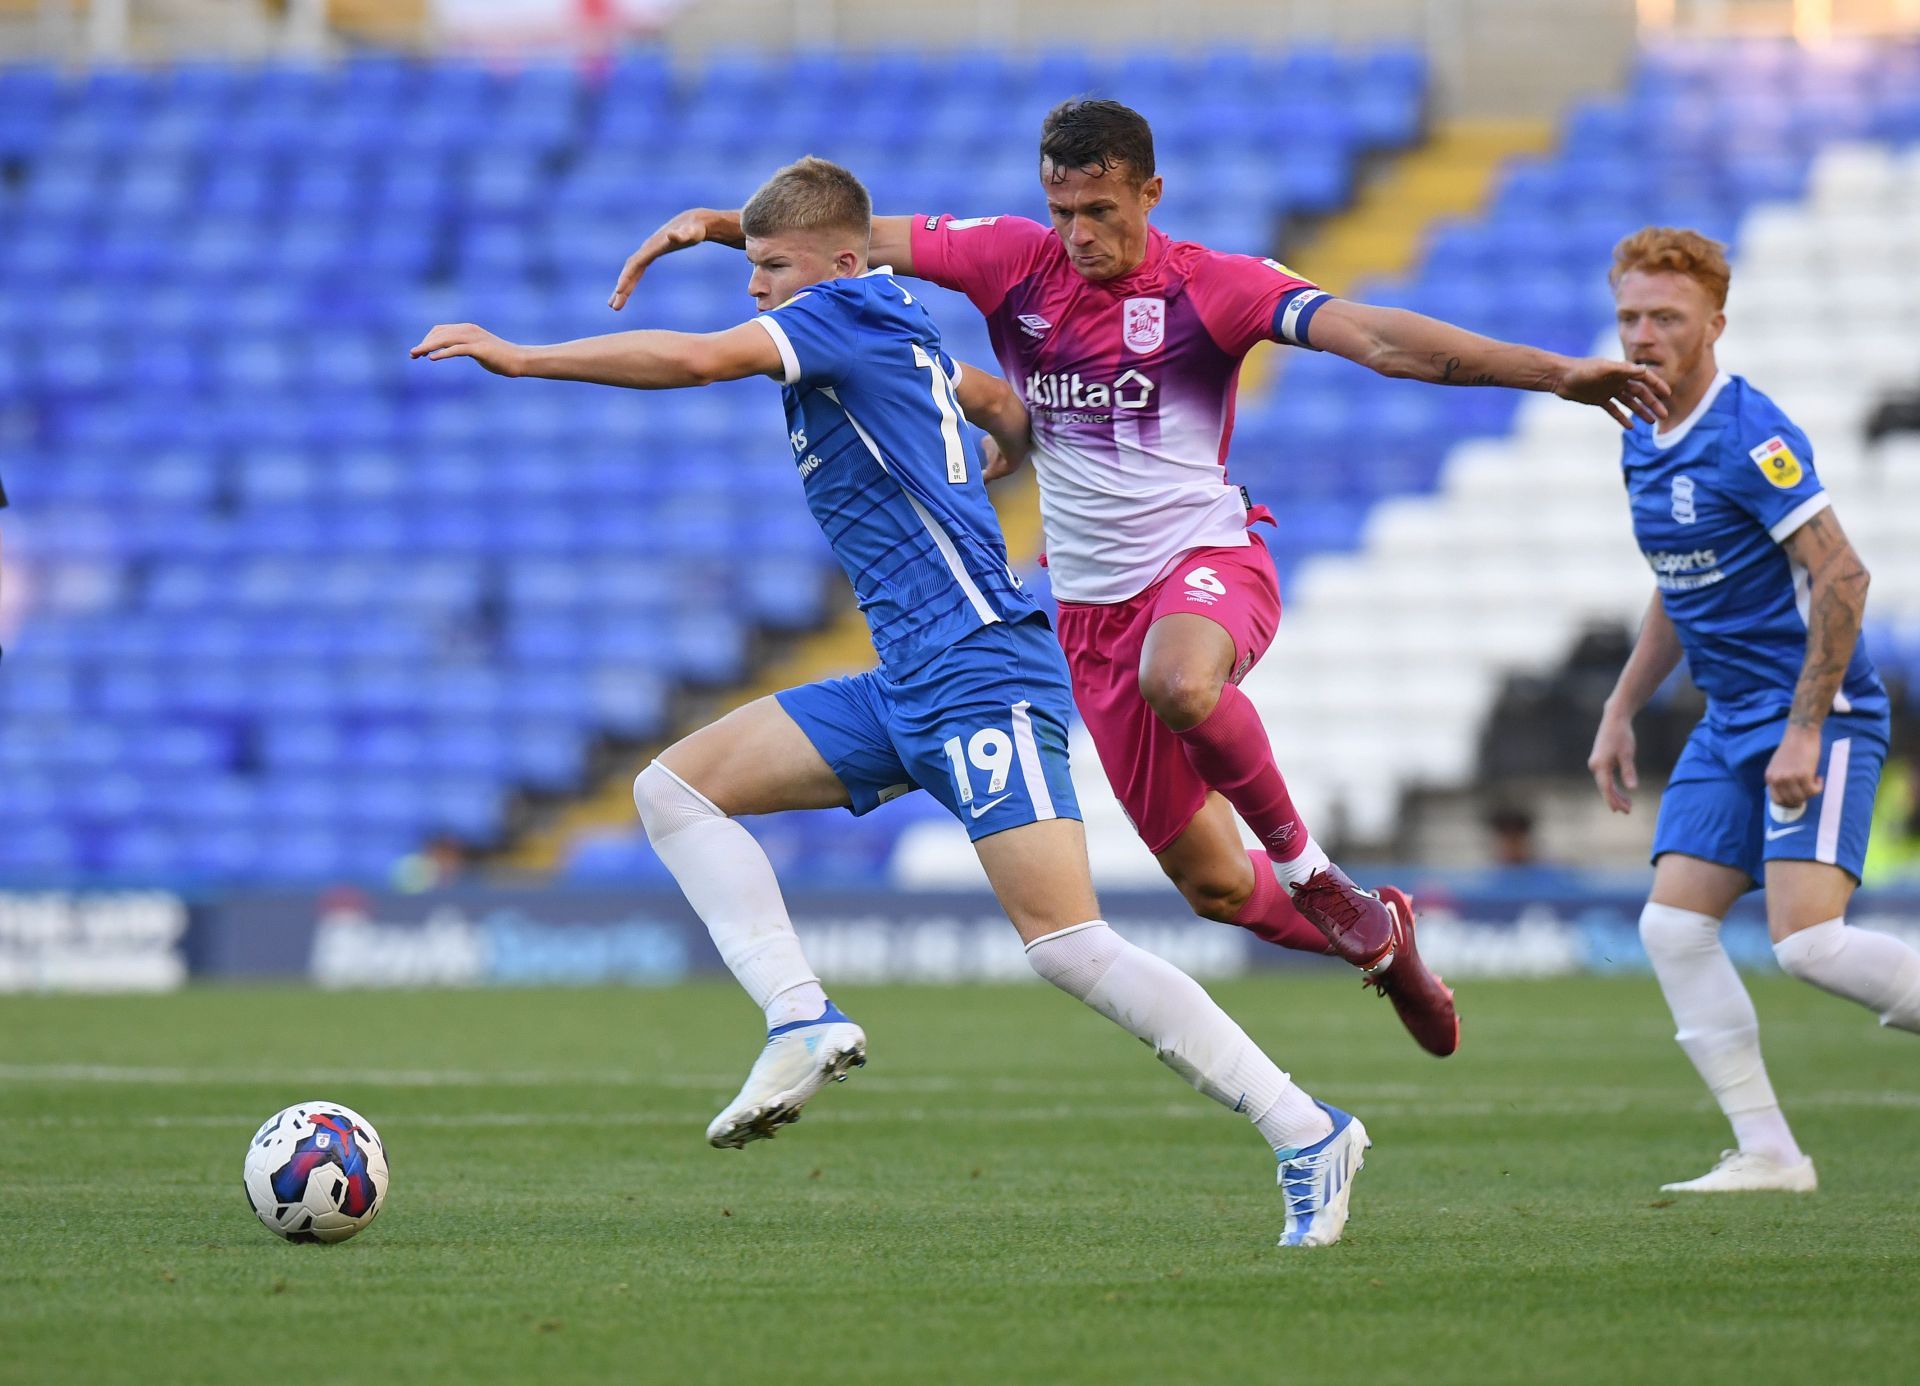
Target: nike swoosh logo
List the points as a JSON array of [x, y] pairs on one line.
[[989, 804], [1773, 833]]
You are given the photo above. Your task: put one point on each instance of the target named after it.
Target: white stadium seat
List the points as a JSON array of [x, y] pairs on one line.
[[1855, 175], [1526, 541], [1781, 237]]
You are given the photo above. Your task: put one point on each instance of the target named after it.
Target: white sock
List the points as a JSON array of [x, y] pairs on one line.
[[1717, 1025], [1155, 1001], [1877, 970], [1312, 858], [730, 884]]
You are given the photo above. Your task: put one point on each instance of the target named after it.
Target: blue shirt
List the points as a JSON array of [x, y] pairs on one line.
[[891, 470], [1714, 499]]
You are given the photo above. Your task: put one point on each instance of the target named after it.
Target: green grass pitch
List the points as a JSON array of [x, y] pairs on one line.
[[1010, 1192]]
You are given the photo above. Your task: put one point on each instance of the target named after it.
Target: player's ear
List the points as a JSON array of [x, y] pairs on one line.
[[849, 262], [1715, 326], [1150, 192]]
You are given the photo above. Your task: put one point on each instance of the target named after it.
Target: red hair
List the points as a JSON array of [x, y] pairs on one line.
[[1674, 250]]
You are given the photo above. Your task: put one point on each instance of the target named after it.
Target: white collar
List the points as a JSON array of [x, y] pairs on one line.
[[1680, 430]]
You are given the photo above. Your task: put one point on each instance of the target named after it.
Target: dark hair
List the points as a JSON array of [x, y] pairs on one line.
[[808, 195], [1089, 133], [1509, 818]]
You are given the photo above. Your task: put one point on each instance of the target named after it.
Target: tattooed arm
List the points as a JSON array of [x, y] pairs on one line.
[[1836, 605], [1409, 346]]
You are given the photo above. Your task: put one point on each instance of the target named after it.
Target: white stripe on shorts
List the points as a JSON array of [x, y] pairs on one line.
[[1031, 770], [1826, 842]]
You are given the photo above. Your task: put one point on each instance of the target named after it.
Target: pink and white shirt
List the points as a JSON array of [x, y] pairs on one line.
[[1130, 382]]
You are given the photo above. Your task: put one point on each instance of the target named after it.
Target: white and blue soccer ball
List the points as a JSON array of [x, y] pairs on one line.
[[316, 1172]]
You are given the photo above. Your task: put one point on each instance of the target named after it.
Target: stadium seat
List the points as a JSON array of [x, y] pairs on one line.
[[269, 557], [1764, 148]]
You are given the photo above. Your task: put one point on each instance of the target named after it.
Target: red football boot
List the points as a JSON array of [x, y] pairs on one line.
[[1358, 925], [1424, 1003]]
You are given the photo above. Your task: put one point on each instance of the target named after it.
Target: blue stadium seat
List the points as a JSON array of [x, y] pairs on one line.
[[40, 852], [297, 601]]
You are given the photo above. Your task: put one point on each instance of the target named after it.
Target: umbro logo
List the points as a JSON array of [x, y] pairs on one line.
[[1034, 325]]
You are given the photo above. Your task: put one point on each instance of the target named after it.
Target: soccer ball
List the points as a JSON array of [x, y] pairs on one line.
[[316, 1172]]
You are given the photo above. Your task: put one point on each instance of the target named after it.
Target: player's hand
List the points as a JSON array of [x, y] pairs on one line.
[[1612, 762], [1793, 775], [464, 339], [1624, 390], [1000, 462], [687, 229]]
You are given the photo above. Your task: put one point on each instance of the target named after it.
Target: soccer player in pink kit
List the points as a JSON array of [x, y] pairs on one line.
[[1127, 348]]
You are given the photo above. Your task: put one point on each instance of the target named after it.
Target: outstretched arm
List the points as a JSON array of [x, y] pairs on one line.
[[1655, 655], [1395, 342], [990, 403], [649, 360], [1836, 605], [892, 244]]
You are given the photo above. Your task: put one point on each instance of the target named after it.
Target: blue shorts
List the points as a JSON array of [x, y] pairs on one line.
[[982, 727], [1716, 805]]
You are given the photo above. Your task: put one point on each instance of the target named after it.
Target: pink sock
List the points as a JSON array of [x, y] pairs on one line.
[[1269, 913], [1229, 750]]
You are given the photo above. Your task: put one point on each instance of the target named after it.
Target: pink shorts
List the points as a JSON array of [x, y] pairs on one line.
[[1145, 762]]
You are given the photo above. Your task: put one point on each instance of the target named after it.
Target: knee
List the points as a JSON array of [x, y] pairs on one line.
[[1667, 932], [1216, 896], [1803, 952], [1179, 697], [1076, 959], [668, 803], [1793, 959]]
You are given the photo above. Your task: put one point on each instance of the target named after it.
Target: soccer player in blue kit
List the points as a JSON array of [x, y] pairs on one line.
[[1756, 584], [970, 701]]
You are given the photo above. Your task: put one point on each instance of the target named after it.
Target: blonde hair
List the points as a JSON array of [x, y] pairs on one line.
[[810, 194], [1674, 250]]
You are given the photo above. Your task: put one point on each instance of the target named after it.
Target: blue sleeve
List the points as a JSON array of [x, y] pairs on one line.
[[1767, 470], [949, 367], [816, 333]]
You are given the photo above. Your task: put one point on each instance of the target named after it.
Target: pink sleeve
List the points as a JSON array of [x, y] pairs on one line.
[[982, 257], [1238, 296]]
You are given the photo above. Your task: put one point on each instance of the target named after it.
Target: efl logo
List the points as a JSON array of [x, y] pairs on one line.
[[1145, 322], [1777, 463]]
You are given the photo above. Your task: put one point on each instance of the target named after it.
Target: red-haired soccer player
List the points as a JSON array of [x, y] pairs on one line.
[[1756, 584]]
